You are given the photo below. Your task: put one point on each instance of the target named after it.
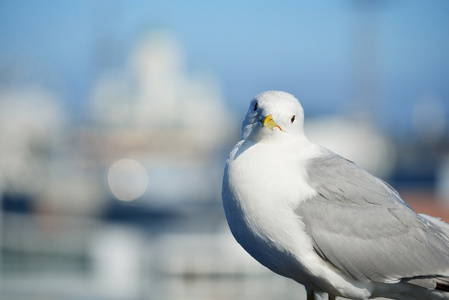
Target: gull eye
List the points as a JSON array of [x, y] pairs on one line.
[[293, 118], [255, 106]]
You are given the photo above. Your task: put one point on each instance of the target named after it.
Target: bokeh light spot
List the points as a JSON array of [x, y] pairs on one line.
[[127, 179]]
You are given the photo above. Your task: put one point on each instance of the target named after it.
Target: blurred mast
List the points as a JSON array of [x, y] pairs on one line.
[[366, 58]]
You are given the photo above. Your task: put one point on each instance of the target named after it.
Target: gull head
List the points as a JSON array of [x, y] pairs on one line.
[[273, 115]]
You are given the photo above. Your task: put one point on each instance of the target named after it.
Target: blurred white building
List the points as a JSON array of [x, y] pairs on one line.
[[31, 125], [171, 121]]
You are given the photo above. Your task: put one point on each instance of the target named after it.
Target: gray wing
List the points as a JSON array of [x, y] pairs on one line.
[[360, 225]]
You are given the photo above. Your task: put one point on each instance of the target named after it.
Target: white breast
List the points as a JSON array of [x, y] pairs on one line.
[[262, 186]]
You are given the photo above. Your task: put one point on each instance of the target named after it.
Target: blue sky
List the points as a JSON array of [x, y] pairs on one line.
[[317, 50]]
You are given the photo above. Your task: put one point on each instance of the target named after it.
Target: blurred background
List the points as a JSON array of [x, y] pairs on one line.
[[116, 118]]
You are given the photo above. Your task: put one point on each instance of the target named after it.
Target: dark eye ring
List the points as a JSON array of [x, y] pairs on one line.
[[255, 106], [293, 118]]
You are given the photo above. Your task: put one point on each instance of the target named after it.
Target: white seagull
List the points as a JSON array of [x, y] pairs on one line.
[[309, 214]]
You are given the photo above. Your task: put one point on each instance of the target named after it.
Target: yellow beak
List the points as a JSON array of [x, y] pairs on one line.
[[269, 122]]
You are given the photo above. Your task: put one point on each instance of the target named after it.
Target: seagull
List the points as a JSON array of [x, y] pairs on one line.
[[308, 214]]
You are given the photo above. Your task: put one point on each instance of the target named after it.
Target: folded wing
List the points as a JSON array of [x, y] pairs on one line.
[[360, 225]]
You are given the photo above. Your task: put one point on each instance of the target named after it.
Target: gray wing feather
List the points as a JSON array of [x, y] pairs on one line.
[[360, 225]]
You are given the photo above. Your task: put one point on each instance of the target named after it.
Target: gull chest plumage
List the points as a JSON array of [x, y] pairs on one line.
[[268, 230], [317, 218]]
